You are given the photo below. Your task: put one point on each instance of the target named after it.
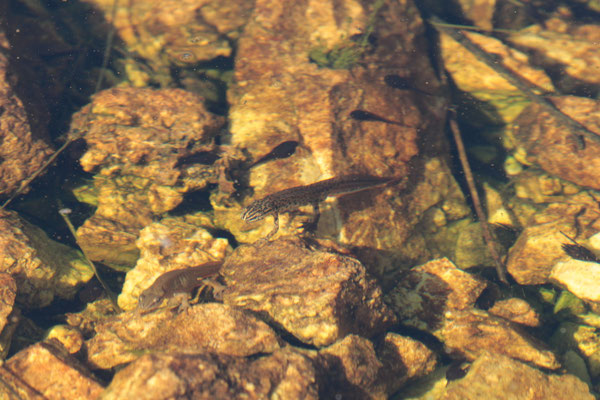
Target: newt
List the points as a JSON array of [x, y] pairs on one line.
[[177, 284], [313, 194]]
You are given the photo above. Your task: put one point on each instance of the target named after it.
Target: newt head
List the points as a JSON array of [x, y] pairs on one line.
[[149, 299], [258, 210]]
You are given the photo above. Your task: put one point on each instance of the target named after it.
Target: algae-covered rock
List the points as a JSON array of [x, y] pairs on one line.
[[174, 33], [516, 310], [581, 338], [211, 327], [440, 298], [24, 144], [483, 83], [549, 144], [285, 374], [319, 296], [563, 42], [498, 377], [51, 371], [42, 268], [137, 142]]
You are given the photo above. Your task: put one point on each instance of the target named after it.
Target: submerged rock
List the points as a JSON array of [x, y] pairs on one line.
[[300, 73], [135, 139], [440, 298], [284, 374], [52, 372], [549, 144], [318, 296], [354, 368], [483, 83], [582, 278], [24, 142], [516, 310], [563, 43], [496, 377], [539, 247], [41, 267], [210, 327], [174, 33]]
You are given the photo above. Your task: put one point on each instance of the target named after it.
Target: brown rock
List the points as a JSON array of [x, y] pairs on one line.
[[350, 369], [579, 277], [498, 377], [51, 371], [23, 146], [428, 291], [8, 293], [403, 359], [539, 247], [13, 388], [551, 145], [440, 298], [41, 267], [284, 374], [318, 296], [135, 139], [561, 42], [516, 310], [204, 327], [469, 333], [69, 337], [353, 368], [481, 12], [474, 77], [174, 33]]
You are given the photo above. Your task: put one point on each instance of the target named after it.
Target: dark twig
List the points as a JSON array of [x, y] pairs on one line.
[[485, 229], [64, 212]]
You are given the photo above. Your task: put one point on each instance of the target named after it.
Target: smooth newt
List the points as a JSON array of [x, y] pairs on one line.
[[312, 194], [177, 284]]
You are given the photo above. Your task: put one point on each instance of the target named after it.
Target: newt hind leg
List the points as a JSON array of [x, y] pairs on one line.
[[311, 226]]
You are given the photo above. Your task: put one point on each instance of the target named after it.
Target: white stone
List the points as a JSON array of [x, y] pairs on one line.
[[582, 278]]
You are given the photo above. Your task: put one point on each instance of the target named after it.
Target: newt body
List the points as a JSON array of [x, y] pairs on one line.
[[312, 194], [178, 282]]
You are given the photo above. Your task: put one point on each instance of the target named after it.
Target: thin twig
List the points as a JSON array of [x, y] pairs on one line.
[[485, 228], [64, 212]]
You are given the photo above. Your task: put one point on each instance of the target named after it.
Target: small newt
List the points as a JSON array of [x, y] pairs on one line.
[[312, 194], [177, 284], [282, 150]]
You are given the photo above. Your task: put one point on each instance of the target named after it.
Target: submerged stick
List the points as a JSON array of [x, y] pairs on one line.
[[64, 212], [485, 228]]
